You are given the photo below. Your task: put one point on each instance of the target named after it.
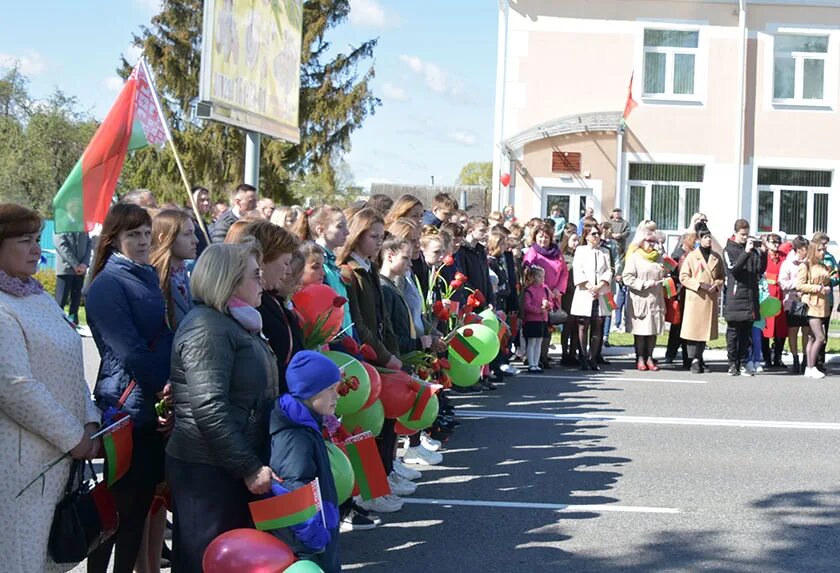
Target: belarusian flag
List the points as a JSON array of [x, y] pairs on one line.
[[119, 444], [609, 300], [669, 264], [371, 481], [463, 348], [135, 121], [288, 509], [424, 396], [670, 287]]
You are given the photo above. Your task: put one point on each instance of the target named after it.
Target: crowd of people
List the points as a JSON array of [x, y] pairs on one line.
[[194, 310]]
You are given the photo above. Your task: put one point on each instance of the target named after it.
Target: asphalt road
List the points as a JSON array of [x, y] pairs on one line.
[[624, 471]]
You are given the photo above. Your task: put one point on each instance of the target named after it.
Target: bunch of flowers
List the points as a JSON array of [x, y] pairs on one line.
[[428, 368]]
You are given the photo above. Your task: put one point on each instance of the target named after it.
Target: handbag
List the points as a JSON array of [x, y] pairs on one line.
[[558, 316], [798, 308], [84, 518], [673, 314]]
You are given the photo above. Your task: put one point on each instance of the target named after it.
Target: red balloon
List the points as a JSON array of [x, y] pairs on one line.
[[505, 179], [247, 551], [396, 395], [402, 430], [375, 384], [312, 301]]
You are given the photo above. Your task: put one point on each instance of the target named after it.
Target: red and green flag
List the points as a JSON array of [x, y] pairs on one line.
[[287, 509], [463, 348], [630, 104], [424, 396], [670, 287], [371, 481], [118, 443], [609, 300], [669, 264], [135, 121]]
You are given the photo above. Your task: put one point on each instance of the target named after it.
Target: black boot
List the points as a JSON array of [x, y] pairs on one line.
[[794, 368]]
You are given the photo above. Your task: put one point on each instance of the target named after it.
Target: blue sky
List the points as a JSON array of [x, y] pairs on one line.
[[435, 73]]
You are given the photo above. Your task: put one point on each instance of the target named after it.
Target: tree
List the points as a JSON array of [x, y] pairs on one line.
[[334, 101], [476, 173], [315, 188]]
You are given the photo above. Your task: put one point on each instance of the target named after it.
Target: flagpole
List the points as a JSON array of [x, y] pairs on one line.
[[187, 185]]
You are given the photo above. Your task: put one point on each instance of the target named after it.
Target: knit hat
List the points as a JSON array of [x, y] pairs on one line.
[[309, 373]]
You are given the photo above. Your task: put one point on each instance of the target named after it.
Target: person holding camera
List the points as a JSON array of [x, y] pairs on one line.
[[745, 260]]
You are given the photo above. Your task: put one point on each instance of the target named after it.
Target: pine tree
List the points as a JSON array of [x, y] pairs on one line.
[[334, 101]]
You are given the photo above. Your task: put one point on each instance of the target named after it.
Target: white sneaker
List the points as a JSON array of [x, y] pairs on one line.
[[384, 504], [400, 485], [422, 457], [813, 373], [405, 471], [429, 443], [747, 371], [758, 367], [509, 369]]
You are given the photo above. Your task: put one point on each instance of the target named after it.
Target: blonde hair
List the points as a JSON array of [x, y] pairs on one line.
[[166, 226], [286, 217], [218, 272], [272, 240], [309, 221], [645, 227]]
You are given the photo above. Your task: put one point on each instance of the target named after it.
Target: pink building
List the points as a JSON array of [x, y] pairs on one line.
[[737, 111]]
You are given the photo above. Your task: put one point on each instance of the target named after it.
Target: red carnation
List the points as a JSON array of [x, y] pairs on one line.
[[368, 353], [448, 260]]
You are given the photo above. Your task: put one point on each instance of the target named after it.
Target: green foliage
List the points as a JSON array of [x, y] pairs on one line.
[[334, 101], [47, 278], [476, 173], [40, 142]]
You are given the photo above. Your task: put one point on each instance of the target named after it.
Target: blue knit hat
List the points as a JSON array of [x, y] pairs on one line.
[[309, 373]]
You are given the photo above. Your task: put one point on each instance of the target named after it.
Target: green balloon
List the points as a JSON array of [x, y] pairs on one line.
[[355, 399], [370, 419], [483, 345], [463, 374], [426, 419], [303, 566], [770, 307], [489, 319], [342, 472]]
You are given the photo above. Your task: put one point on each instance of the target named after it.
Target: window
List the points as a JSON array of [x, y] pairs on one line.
[[794, 201], [670, 62], [666, 193], [799, 64]]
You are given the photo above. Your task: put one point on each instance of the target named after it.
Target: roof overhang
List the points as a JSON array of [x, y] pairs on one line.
[[602, 121]]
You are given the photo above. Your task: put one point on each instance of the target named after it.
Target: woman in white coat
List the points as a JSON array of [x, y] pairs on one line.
[[592, 275], [45, 404]]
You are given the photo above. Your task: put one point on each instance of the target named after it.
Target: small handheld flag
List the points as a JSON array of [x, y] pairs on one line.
[[669, 264], [670, 287], [609, 300], [119, 444], [371, 481], [287, 509]]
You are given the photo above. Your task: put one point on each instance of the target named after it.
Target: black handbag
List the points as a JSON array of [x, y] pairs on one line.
[[84, 518], [799, 308]]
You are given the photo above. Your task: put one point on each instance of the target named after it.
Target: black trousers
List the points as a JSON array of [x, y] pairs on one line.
[[206, 502], [133, 495], [738, 341], [386, 441], [675, 343], [821, 356], [69, 287]]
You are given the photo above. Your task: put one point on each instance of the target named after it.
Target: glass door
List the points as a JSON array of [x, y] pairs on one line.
[[561, 202]]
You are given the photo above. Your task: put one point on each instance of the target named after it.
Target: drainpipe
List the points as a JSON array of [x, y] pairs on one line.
[[505, 163], [742, 66], [619, 168]]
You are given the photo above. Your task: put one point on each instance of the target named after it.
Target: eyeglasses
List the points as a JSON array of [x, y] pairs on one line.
[[594, 234]]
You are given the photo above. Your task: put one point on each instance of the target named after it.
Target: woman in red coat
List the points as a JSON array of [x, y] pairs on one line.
[[775, 327]]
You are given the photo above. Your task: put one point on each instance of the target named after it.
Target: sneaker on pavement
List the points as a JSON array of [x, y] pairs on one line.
[[733, 370], [747, 371], [758, 368], [365, 513], [509, 370], [421, 456], [429, 443], [384, 504], [405, 471], [401, 486], [356, 522]]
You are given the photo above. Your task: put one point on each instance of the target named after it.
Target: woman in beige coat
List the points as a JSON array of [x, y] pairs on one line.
[[643, 275], [702, 276], [813, 281]]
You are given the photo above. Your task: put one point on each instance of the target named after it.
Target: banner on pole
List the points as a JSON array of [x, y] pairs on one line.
[[250, 65]]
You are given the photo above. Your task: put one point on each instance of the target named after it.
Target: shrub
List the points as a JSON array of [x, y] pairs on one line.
[[47, 278]]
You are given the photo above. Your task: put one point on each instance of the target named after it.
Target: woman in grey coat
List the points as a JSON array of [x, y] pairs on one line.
[[224, 380]]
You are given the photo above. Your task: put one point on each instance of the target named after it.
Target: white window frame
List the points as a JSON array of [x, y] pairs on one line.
[[777, 204], [700, 65], [831, 76], [799, 71], [648, 185]]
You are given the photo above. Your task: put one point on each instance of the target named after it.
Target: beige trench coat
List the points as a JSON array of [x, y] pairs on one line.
[[645, 306], [700, 316]]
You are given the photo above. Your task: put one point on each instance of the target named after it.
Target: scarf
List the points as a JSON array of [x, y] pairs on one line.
[[298, 412], [552, 252], [651, 255], [705, 252], [181, 281], [245, 314], [20, 288]]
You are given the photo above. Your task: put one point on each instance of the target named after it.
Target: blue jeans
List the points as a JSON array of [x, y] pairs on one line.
[[620, 300]]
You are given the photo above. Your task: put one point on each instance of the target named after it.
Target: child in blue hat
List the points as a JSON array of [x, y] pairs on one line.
[[299, 454]]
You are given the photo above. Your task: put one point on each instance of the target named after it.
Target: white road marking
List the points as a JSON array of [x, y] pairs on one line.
[[552, 506], [604, 377], [600, 418]]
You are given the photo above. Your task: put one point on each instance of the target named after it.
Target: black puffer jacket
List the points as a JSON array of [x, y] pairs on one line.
[[224, 380], [743, 270]]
